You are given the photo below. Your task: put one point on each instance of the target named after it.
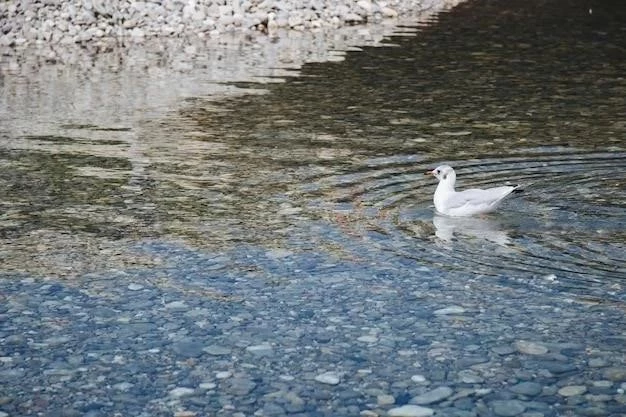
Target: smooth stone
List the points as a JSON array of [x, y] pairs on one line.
[[464, 403], [137, 33], [223, 375], [572, 390], [215, 350], [468, 376], [368, 338], [123, 386], [294, 404], [432, 396], [615, 374], [329, 378], [388, 12], [597, 362], [176, 305], [135, 287], [598, 398], [530, 348], [261, 350], [468, 361], [410, 411], [181, 392], [56, 340], [190, 348], [272, 409], [449, 310], [240, 386], [558, 367], [528, 388], [418, 378], [185, 413], [597, 412], [385, 399], [507, 408]]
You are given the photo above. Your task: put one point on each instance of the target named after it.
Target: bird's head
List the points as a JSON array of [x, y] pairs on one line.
[[443, 173]]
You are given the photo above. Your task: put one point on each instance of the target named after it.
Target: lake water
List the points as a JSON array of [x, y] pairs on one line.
[[315, 181], [341, 149]]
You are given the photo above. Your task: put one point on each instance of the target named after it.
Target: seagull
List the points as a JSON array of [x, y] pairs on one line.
[[465, 203]]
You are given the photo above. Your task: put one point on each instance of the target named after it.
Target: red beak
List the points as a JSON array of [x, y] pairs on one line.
[[431, 172]]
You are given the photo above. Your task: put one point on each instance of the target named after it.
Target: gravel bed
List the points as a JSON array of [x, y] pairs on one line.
[[275, 333]]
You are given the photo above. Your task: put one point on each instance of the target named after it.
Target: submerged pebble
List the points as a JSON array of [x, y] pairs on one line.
[[410, 411]]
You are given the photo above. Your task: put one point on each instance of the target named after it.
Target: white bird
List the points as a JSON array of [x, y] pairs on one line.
[[465, 203]]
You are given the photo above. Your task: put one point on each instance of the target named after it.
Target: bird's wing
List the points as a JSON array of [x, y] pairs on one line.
[[476, 197]]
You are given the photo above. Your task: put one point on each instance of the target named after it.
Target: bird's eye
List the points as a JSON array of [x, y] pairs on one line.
[[438, 171]]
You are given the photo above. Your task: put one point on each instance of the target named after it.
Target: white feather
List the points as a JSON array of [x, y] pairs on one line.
[[470, 202]]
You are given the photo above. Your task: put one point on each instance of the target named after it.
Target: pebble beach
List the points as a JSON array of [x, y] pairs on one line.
[[58, 31]]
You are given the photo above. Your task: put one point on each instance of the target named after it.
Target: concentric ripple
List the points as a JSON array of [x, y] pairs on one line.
[[560, 232]]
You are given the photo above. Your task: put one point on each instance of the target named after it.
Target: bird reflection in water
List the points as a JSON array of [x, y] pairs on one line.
[[448, 229]]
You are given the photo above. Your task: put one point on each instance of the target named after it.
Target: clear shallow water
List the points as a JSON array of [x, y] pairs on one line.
[[331, 162]]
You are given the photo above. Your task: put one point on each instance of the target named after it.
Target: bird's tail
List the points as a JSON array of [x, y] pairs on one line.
[[520, 188]]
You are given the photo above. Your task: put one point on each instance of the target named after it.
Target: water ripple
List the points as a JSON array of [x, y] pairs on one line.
[[559, 233]]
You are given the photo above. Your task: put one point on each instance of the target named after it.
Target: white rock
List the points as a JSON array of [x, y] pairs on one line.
[[352, 17], [418, 378], [135, 287], [137, 33], [329, 378], [188, 12], [433, 396], [410, 411], [366, 5], [123, 386], [388, 12], [385, 399], [225, 10], [261, 350], [294, 21], [176, 305], [449, 310], [530, 348], [572, 390], [368, 338], [5, 40], [278, 253], [181, 392]]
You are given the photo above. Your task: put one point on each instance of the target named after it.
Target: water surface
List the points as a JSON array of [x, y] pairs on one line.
[[330, 162]]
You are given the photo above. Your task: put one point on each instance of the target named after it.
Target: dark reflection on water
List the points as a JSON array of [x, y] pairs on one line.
[[521, 92]]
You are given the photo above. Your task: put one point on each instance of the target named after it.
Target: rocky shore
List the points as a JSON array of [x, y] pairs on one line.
[[88, 20], [108, 23], [223, 40], [192, 47]]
